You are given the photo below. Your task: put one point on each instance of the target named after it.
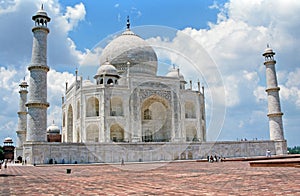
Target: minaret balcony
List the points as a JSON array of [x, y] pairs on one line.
[[38, 66], [275, 114], [37, 105], [44, 28], [269, 62], [272, 89]]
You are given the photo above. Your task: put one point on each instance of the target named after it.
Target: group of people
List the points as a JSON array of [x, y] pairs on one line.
[[215, 158]]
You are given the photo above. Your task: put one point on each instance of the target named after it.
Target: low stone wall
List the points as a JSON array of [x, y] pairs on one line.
[[44, 153]]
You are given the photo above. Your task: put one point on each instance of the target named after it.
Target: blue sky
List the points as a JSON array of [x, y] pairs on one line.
[[233, 33]]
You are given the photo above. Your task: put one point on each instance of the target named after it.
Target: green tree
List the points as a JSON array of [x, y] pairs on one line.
[[294, 150], [1, 153]]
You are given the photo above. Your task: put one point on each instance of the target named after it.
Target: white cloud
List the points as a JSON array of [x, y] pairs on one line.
[[6, 77], [293, 78], [74, 15], [56, 89], [7, 6], [260, 94], [91, 57], [236, 42]]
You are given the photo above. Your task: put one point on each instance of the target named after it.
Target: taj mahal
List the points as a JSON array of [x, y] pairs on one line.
[[129, 103], [127, 112]]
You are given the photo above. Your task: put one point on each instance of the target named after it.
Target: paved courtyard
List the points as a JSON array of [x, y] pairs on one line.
[[180, 178]]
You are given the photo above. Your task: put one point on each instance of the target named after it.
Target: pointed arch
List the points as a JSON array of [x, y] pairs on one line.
[[110, 81], [116, 133], [92, 107], [156, 119]]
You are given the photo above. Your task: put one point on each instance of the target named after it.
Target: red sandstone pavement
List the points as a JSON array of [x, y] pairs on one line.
[[179, 178]]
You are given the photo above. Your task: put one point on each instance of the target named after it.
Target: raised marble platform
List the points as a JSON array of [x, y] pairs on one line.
[[70, 153]]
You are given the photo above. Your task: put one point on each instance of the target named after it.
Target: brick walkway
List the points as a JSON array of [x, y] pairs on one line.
[[185, 178]]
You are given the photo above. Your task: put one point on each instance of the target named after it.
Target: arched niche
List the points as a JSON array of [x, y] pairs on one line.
[[116, 133], [156, 119], [92, 107]]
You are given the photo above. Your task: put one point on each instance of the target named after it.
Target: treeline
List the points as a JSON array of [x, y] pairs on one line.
[[294, 150]]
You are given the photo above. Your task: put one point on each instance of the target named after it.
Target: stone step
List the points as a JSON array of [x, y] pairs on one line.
[[293, 162]]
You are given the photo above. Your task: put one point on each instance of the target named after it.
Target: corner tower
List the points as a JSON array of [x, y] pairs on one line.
[[22, 116], [22, 120], [274, 109], [37, 101]]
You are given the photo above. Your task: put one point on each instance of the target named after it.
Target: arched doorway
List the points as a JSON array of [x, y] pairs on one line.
[[156, 119], [70, 124], [116, 133]]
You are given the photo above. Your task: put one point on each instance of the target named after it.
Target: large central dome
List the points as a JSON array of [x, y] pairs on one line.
[[129, 47]]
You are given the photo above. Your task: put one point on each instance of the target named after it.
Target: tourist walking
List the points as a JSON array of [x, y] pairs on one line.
[[268, 153]]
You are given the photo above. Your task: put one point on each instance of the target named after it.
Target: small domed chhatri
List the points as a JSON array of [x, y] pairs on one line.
[[87, 82], [8, 140], [41, 16], [107, 74], [175, 73], [106, 69], [53, 129]]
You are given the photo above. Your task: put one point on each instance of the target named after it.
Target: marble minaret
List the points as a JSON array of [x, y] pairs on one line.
[[274, 109], [37, 101], [22, 120]]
